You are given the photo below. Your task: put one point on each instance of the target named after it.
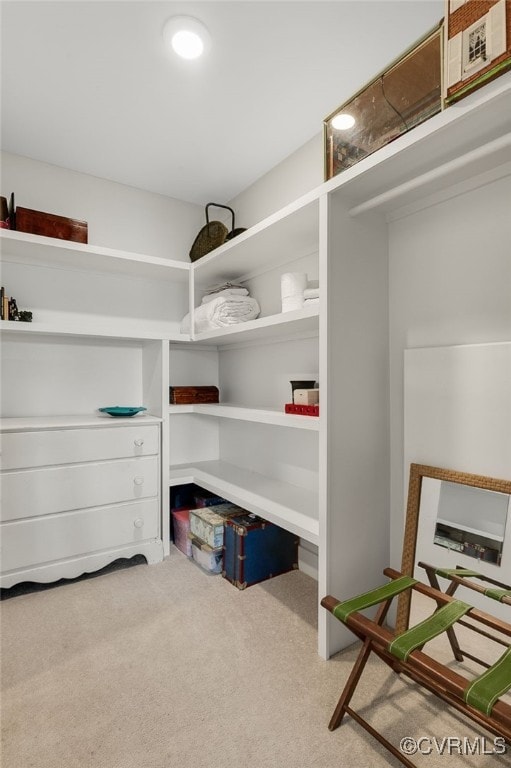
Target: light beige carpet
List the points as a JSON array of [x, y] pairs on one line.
[[168, 667]]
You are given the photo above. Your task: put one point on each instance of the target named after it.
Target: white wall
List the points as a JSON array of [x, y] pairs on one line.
[[293, 177], [450, 283], [118, 216]]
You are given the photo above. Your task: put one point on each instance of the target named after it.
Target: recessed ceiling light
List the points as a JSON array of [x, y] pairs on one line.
[[186, 36], [343, 122]]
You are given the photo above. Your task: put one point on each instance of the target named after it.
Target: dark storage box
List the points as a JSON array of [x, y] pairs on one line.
[[187, 395], [256, 550], [49, 225]]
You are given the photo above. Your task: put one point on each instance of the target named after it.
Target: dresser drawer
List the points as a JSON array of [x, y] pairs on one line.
[[69, 446], [35, 492], [46, 539]]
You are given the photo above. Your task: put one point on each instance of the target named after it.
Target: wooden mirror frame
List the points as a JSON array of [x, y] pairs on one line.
[[417, 473]]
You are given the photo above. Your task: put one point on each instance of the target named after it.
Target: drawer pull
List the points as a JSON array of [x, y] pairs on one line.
[[138, 523], [138, 442], [138, 480]]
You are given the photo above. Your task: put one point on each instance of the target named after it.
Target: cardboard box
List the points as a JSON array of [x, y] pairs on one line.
[[306, 396], [49, 225], [207, 524]]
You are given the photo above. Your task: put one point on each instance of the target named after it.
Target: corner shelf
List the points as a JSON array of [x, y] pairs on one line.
[[285, 236], [90, 330], [35, 250], [242, 413], [297, 322], [289, 506]]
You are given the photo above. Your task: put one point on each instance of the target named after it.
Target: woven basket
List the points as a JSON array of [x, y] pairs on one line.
[[210, 237]]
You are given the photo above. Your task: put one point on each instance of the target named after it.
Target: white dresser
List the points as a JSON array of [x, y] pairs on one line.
[[78, 493]]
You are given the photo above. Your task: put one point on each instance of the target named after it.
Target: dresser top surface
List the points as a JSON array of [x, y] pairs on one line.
[[34, 423]]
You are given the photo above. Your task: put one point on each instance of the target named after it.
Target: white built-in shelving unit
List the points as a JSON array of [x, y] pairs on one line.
[[326, 479]]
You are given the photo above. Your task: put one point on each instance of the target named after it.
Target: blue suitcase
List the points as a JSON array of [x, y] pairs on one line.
[[256, 550]]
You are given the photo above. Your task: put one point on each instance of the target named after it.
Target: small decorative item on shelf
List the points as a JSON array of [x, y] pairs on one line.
[[4, 214], [302, 410], [9, 309], [308, 384], [120, 411], [478, 45], [214, 234], [306, 396], [406, 94], [189, 395]]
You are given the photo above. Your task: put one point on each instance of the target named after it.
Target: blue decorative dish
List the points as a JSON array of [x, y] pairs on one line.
[[119, 410]]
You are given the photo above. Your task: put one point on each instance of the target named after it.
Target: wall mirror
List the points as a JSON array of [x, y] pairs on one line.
[[455, 520]]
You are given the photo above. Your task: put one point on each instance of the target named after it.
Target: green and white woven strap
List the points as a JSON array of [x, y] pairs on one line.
[[483, 692], [446, 573], [373, 597], [497, 594], [434, 625]]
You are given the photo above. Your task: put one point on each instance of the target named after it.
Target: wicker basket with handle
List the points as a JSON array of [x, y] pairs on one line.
[[213, 234]]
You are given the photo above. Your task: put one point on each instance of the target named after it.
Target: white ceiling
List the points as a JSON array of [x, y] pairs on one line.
[[88, 85]]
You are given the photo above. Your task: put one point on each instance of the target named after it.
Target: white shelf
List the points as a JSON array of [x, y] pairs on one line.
[[291, 507], [298, 322], [468, 529], [242, 413], [112, 331], [287, 235], [23, 248], [29, 423]]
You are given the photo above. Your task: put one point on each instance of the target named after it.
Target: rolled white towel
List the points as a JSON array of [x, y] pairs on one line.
[[222, 312], [290, 303], [226, 292], [292, 286], [311, 293], [222, 286], [308, 302]]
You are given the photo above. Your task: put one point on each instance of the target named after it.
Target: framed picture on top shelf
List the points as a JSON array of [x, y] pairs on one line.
[[478, 45], [406, 94]]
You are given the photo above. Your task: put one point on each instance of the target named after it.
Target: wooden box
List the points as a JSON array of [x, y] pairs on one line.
[[187, 395], [256, 550], [49, 225]]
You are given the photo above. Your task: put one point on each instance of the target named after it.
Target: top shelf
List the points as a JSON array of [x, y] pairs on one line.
[[289, 234], [468, 140], [24, 248]]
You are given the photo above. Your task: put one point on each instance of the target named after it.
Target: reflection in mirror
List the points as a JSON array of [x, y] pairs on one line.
[[406, 94], [457, 520]]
